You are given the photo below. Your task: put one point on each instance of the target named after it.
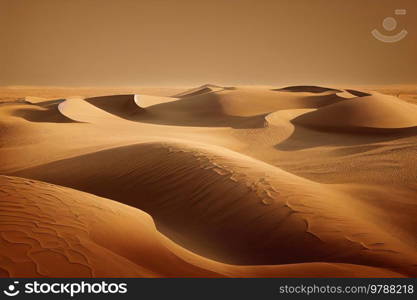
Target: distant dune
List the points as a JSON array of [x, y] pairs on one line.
[[206, 88], [307, 89], [209, 182]]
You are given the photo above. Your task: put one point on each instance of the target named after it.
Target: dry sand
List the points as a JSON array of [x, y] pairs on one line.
[[210, 182]]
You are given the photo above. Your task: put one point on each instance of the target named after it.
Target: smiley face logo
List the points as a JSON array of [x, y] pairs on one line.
[[11, 290], [390, 24]]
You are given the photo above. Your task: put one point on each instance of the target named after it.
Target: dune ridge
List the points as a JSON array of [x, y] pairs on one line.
[[47, 111], [230, 108], [124, 106]]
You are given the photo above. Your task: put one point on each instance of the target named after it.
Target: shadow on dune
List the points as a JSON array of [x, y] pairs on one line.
[[200, 91], [358, 93], [201, 110], [212, 209], [203, 89], [304, 138], [48, 103], [45, 112], [79, 225], [378, 114], [190, 202], [213, 110], [123, 106], [306, 89], [236, 122], [318, 101]]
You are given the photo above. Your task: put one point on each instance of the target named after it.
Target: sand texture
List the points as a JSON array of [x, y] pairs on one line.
[[211, 181]]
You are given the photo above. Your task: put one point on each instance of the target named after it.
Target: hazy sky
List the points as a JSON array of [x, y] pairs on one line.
[[187, 42]]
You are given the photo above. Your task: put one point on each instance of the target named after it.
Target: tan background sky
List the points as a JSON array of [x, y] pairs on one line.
[[187, 42]]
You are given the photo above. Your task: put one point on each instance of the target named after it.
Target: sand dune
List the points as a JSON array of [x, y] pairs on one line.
[[16, 117], [230, 108], [48, 111], [57, 232], [50, 231], [124, 106], [239, 182], [377, 112], [264, 205], [12, 93], [78, 109], [204, 89]]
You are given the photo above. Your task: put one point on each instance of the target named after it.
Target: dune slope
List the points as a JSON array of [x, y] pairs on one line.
[[230, 207], [51, 231], [123, 106]]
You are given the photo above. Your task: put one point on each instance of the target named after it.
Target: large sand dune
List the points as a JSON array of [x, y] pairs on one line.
[[51, 231], [377, 111], [284, 179]]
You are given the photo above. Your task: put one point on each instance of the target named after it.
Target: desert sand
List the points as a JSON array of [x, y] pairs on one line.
[[210, 181]]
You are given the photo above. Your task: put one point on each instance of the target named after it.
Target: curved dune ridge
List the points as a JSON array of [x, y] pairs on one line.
[[46, 111], [245, 208], [307, 89], [51, 231], [369, 112], [109, 108], [240, 182], [124, 106], [39, 110], [236, 108], [226, 108], [145, 101], [358, 93], [80, 110]]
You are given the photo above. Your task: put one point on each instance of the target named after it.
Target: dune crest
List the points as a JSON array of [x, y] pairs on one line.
[[46, 111], [358, 93], [124, 106]]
